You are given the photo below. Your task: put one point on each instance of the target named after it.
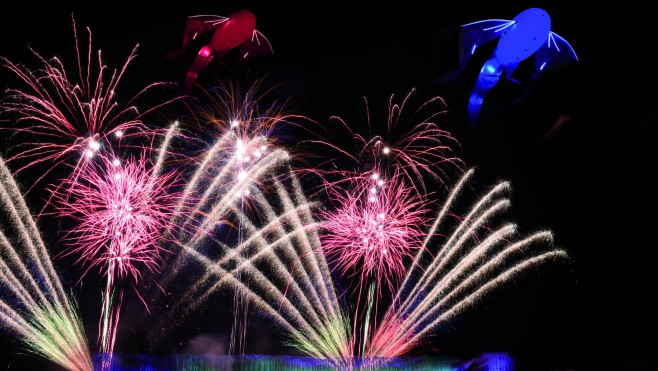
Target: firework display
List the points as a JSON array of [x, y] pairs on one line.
[[355, 249], [34, 304]]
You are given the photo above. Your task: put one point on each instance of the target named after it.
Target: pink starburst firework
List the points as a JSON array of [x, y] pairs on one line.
[[377, 208], [384, 196], [374, 226], [120, 209], [72, 118]]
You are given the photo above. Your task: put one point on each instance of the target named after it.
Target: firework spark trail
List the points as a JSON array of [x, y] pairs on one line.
[[276, 303], [227, 181], [261, 280], [9, 276], [230, 202], [22, 220], [72, 119], [396, 340], [322, 340], [33, 304], [184, 204], [266, 249], [311, 245], [257, 234], [234, 191], [318, 263], [446, 292], [415, 266], [283, 236], [421, 282], [458, 272], [335, 343], [443, 288], [244, 132], [461, 232], [292, 216], [181, 211], [450, 248], [220, 190], [215, 267], [163, 153]]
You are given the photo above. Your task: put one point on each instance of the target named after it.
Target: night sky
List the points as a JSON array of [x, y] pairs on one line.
[[592, 182]]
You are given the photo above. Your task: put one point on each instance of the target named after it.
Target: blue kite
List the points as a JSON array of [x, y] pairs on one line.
[[527, 34]]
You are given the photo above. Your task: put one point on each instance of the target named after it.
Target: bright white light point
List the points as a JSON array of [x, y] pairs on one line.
[[89, 153], [118, 133], [380, 182], [117, 176], [263, 147], [373, 190], [242, 175], [246, 159], [372, 199], [241, 150], [94, 145], [383, 251], [235, 123], [257, 154], [116, 162], [381, 215], [386, 150], [246, 192], [375, 176]]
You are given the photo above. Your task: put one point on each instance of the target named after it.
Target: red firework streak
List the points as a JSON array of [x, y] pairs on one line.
[[236, 30]]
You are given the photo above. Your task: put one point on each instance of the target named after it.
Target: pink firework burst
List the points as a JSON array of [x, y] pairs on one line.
[[411, 144], [381, 193], [379, 188], [64, 118], [375, 225], [120, 209]]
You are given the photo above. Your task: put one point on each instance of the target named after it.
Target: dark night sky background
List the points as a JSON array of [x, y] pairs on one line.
[[593, 183]]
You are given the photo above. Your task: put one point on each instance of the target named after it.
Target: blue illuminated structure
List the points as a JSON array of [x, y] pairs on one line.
[[254, 362], [527, 34]]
